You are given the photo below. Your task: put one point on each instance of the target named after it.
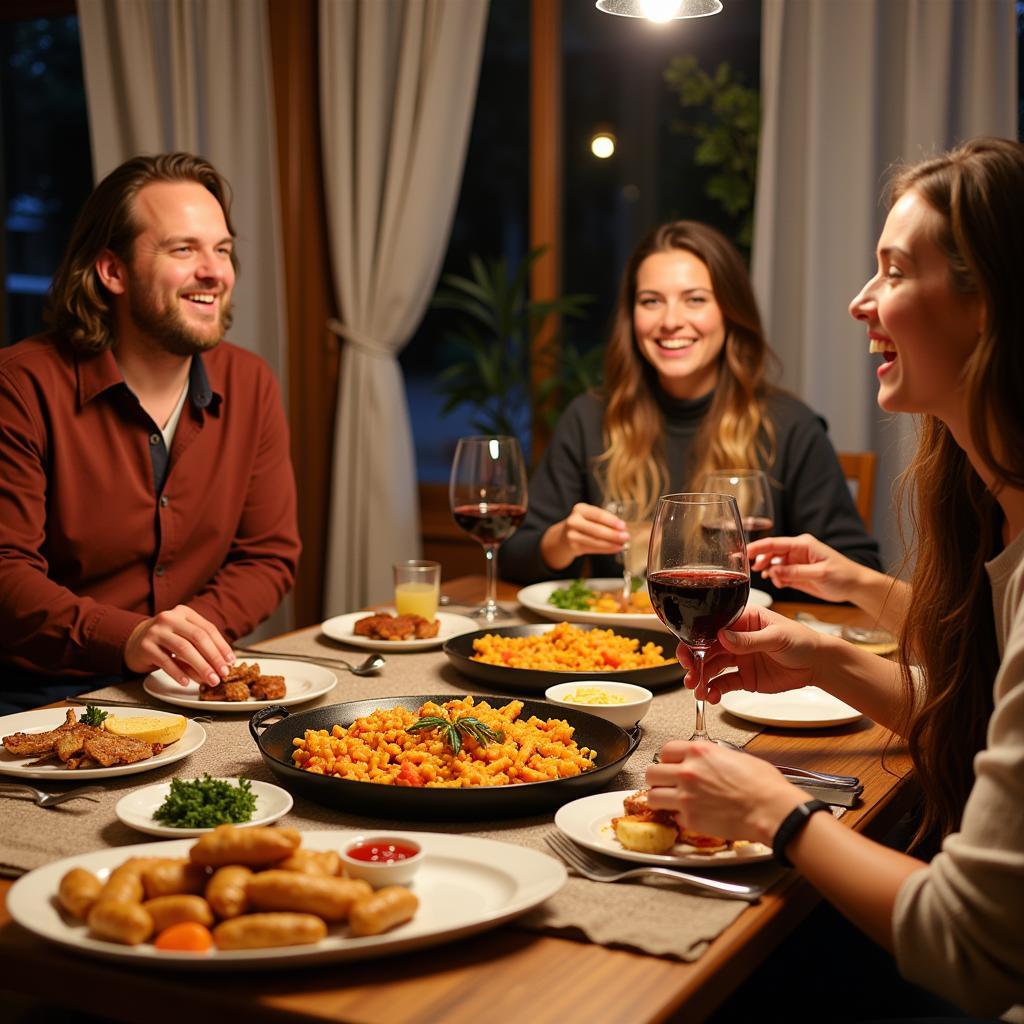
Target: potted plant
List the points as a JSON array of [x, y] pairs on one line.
[[496, 332]]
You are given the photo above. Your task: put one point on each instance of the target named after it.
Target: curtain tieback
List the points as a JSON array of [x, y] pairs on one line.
[[361, 341]]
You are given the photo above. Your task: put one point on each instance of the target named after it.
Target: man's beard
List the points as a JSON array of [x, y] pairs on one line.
[[169, 329]]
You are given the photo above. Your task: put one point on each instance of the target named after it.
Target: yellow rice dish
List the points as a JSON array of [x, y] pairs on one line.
[[567, 648], [379, 748]]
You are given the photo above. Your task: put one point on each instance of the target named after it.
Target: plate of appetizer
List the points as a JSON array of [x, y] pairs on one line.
[[808, 707], [183, 808], [599, 602], [604, 821], [254, 683], [464, 885], [96, 742], [387, 631]]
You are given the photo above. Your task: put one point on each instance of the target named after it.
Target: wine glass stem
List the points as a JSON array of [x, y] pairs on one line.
[[700, 732], [491, 602]]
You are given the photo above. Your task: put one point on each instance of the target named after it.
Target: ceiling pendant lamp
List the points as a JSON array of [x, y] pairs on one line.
[[660, 10]]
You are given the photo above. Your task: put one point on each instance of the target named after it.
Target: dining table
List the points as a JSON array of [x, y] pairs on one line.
[[538, 968]]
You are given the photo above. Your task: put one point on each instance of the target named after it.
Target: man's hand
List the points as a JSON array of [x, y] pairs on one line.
[[181, 642]]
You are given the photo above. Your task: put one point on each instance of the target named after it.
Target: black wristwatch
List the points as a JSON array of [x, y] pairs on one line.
[[791, 825]]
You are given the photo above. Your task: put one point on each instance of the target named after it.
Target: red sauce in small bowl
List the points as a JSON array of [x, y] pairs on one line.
[[382, 853]]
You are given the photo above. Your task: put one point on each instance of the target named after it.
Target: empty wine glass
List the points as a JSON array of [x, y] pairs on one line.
[[697, 574], [753, 496], [488, 500]]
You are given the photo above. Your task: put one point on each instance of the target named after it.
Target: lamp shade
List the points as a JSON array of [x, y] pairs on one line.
[[660, 10]]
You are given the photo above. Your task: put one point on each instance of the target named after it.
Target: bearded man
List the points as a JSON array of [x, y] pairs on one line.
[[147, 501]]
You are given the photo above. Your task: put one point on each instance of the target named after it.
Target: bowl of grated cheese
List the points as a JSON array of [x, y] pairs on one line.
[[623, 704]]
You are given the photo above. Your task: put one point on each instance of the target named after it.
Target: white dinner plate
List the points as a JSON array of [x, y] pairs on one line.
[[535, 598], [588, 821], [341, 628], [465, 885], [45, 719], [303, 681], [806, 708], [136, 808]]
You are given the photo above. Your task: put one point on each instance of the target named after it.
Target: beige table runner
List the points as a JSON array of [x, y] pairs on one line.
[[654, 917]]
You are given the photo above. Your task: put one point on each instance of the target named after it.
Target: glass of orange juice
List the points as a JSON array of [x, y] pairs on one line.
[[417, 588]]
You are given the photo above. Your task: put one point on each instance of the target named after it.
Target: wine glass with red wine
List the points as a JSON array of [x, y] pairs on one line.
[[753, 496], [488, 499], [697, 574]]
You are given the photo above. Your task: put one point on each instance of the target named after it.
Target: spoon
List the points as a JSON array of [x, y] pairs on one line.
[[371, 664]]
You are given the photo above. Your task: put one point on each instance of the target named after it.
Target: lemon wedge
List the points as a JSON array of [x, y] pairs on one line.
[[150, 729]]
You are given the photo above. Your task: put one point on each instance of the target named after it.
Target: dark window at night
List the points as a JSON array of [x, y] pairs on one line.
[[614, 79], [47, 168]]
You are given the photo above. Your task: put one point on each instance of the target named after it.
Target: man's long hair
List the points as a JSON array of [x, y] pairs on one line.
[[78, 306]]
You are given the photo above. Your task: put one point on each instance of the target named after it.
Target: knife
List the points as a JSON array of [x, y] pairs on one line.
[[102, 701], [830, 795]]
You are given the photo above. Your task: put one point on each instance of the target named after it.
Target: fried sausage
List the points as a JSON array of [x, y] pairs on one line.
[[78, 891], [168, 910], [124, 884], [386, 908], [257, 931], [254, 847], [329, 898], [227, 891], [120, 921], [312, 862], [173, 878]]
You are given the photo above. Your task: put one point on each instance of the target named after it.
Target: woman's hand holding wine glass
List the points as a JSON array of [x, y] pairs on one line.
[[697, 575], [488, 500]]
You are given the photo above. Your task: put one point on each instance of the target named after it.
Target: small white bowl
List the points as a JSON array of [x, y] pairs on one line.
[[637, 700], [382, 872]]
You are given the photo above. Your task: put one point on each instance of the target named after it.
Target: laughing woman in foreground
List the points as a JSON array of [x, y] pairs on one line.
[[946, 311]]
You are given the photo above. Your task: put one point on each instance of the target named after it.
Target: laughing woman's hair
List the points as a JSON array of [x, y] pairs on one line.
[[78, 307], [950, 628], [736, 430]]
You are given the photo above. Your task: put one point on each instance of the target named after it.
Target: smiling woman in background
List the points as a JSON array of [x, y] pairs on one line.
[[946, 312], [684, 393]]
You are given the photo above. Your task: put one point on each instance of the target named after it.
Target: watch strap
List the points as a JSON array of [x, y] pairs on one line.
[[791, 825]]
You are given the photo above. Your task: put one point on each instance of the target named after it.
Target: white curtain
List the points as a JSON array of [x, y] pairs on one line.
[[849, 89], [195, 75], [397, 88]]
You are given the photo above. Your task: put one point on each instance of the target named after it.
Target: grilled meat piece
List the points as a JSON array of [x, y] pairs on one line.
[[29, 744], [396, 627], [243, 672], [636, 805], [267, 688], [109, 750], [235, 691]]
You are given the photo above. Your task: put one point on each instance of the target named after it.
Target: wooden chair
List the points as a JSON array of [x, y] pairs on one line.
[[859, 470]]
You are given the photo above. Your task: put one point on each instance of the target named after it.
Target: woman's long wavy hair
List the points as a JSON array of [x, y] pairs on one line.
[[736, 431], [78, 306], [977, 188]]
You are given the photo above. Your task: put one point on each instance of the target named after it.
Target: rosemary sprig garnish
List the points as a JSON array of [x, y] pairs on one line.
[[451, 733]]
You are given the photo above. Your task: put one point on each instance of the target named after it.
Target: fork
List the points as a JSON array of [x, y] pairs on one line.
[[586, 864], [47, 799]]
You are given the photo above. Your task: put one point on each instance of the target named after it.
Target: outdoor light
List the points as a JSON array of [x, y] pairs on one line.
[[660, 10], [602, 143]]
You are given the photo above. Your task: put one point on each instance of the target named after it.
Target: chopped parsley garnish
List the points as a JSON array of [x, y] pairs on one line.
[[206, 803], [92, 715]]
